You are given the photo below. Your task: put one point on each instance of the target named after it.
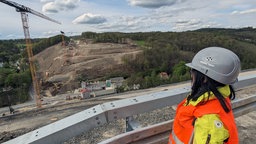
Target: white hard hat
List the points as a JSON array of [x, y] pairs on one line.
[[218, 63]]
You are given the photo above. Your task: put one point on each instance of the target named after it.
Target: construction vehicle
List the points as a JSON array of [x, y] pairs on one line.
[[24, 17]]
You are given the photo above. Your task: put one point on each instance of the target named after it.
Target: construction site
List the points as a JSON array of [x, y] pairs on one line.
[[64, 109], [61, 66]]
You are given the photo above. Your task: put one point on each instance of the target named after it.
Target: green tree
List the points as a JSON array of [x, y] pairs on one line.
[[180, 69], [3, 75]]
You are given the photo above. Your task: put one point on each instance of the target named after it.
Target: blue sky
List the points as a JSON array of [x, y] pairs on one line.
[[78, 16]]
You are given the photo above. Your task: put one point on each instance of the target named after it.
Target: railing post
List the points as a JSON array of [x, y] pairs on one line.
[[131, 124]]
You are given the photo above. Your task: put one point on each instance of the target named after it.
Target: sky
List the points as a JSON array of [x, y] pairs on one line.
[[77, 16]]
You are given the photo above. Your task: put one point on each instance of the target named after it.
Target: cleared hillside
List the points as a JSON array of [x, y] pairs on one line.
[[62, 66]]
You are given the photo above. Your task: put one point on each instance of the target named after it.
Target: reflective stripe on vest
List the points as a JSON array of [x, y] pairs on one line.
[[176, 139]]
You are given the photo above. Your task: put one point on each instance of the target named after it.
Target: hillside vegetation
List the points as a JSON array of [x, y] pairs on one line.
[[169, 51], [139, 57]]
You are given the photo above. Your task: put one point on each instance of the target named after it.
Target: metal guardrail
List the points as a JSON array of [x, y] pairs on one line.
[[244, 106], [159, 133], [76, 124]]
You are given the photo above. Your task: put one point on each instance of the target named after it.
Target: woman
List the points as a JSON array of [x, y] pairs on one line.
[[205, 116]]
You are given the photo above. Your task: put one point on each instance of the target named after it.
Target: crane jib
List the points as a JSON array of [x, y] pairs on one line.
[[22, 8]]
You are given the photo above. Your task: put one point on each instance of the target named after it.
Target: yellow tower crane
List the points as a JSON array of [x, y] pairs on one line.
[[24, 17]]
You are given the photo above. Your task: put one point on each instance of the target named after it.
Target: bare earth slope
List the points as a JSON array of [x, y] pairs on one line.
[[63, 65]]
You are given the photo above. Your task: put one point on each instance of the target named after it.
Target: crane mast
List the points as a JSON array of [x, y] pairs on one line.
[[24, 17]]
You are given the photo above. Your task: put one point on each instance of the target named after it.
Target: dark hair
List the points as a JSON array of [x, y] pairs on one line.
[[200, 86]]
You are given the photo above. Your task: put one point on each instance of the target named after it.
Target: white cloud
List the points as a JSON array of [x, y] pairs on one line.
[[14, 36], [50, 8], [60, 5], [89, 18], [188, 24], [182, 21], [153, 3], [43, 1], [50, 33], [245, 11]]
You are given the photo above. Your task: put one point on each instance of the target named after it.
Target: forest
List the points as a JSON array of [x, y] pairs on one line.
[[169, 51], [162, 52]]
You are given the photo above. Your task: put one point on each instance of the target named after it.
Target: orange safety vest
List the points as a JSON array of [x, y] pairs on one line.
[[182, 131]]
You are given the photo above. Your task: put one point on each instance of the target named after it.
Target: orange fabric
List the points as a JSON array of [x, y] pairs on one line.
[[183, 127]]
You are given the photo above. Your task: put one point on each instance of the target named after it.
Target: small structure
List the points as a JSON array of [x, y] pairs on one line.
[[85, 93], [95, 85], [81, 93]]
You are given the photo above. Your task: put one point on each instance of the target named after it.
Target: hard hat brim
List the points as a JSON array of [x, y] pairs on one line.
[[190, 65]]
